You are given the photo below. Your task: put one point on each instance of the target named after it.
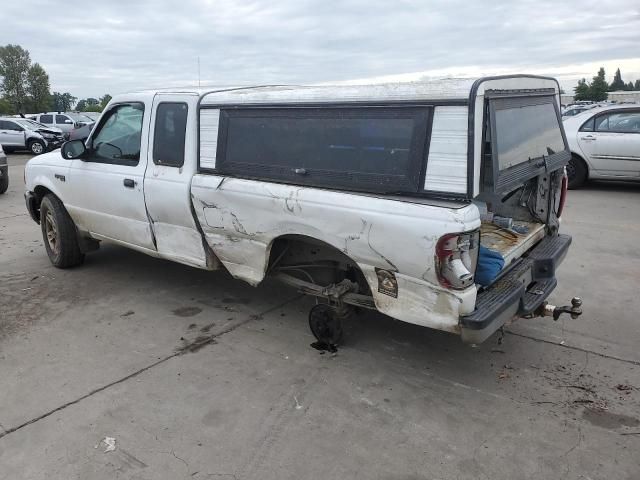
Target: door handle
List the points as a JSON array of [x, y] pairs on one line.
[[129, 183], [588, 137]]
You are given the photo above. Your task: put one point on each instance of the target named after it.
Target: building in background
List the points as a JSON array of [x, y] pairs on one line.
[[619, 96]]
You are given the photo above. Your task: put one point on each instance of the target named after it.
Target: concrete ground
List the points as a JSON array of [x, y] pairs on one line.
[[198, 376]]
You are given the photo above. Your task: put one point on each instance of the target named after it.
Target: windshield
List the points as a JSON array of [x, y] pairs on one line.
[[525, 132], [77, 117]]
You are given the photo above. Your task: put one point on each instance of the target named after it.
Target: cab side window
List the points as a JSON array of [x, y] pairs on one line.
[[119, 135], [63, 119], [48, 119], [169, 134]]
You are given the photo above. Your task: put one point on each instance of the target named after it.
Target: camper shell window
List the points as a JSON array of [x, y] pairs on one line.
[[526, 139], [380, 149]]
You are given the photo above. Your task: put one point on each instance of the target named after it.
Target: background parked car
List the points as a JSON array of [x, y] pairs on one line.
[[575, 110], [25, 134], [92, 115], [604, 143], [4, 172], [81, 133], [65, 121]]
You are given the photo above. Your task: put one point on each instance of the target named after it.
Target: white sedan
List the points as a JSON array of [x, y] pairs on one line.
[[604, 143]]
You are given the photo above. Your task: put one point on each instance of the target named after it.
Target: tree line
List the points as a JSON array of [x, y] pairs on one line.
[[25, 87], [597, 90]]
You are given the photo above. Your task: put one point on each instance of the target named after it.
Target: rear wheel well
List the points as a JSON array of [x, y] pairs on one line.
[[313, 260]]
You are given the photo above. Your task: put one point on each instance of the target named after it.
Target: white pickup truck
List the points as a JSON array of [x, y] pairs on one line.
[[385, 197]]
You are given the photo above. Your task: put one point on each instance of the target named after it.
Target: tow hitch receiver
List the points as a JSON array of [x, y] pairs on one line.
[[548, 310]]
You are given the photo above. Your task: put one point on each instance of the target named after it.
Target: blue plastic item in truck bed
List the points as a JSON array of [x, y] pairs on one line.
[[490, 264]]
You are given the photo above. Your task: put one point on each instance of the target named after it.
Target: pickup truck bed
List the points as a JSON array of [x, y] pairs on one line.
[[511, 245]]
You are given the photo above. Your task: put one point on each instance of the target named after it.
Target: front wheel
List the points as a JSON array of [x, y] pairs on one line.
[[59, 234], [576, 173], [36, 147]]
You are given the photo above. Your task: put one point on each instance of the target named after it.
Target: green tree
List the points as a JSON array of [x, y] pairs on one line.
[[69, 100], [582, 91], [38, 88], [62, 101], [56, 101], [636, 86], [14, 67], [618, 83], [598, 88], [89, 105], [93, 108], [105, 99], [629, 86], [5, 107]]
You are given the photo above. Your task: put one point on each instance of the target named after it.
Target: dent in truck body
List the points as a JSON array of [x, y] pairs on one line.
[[242, 218]]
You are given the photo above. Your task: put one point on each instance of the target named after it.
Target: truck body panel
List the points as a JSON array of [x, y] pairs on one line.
[[242, 218]]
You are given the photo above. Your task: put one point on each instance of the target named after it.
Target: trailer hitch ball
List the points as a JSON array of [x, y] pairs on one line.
[[575, 310]]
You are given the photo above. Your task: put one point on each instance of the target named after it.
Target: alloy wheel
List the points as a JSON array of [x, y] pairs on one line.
[[51, 232]]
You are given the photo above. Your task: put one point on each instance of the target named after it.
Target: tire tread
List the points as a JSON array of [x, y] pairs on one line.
[[582, 173], [69, 253]]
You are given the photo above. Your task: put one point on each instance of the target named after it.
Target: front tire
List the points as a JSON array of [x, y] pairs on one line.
[[59, 234], [36, 147], [577, 173]]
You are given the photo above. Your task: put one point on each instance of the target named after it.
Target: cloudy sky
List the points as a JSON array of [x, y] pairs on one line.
[[91, 48]]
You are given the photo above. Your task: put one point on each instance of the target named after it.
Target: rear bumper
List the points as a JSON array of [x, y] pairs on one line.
[[520, 291]]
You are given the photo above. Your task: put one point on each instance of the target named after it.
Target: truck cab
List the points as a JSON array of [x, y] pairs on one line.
[[384, 197]]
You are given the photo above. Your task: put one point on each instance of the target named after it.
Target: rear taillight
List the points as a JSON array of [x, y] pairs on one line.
[[456, 259], [563, 194]]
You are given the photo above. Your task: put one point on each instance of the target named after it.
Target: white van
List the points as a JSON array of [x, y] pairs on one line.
[[385, 197]]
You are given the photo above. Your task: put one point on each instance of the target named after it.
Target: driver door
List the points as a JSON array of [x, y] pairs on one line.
[[106, 187]]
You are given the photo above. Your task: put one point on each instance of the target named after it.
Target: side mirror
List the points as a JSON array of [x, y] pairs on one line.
[[73, 149]]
